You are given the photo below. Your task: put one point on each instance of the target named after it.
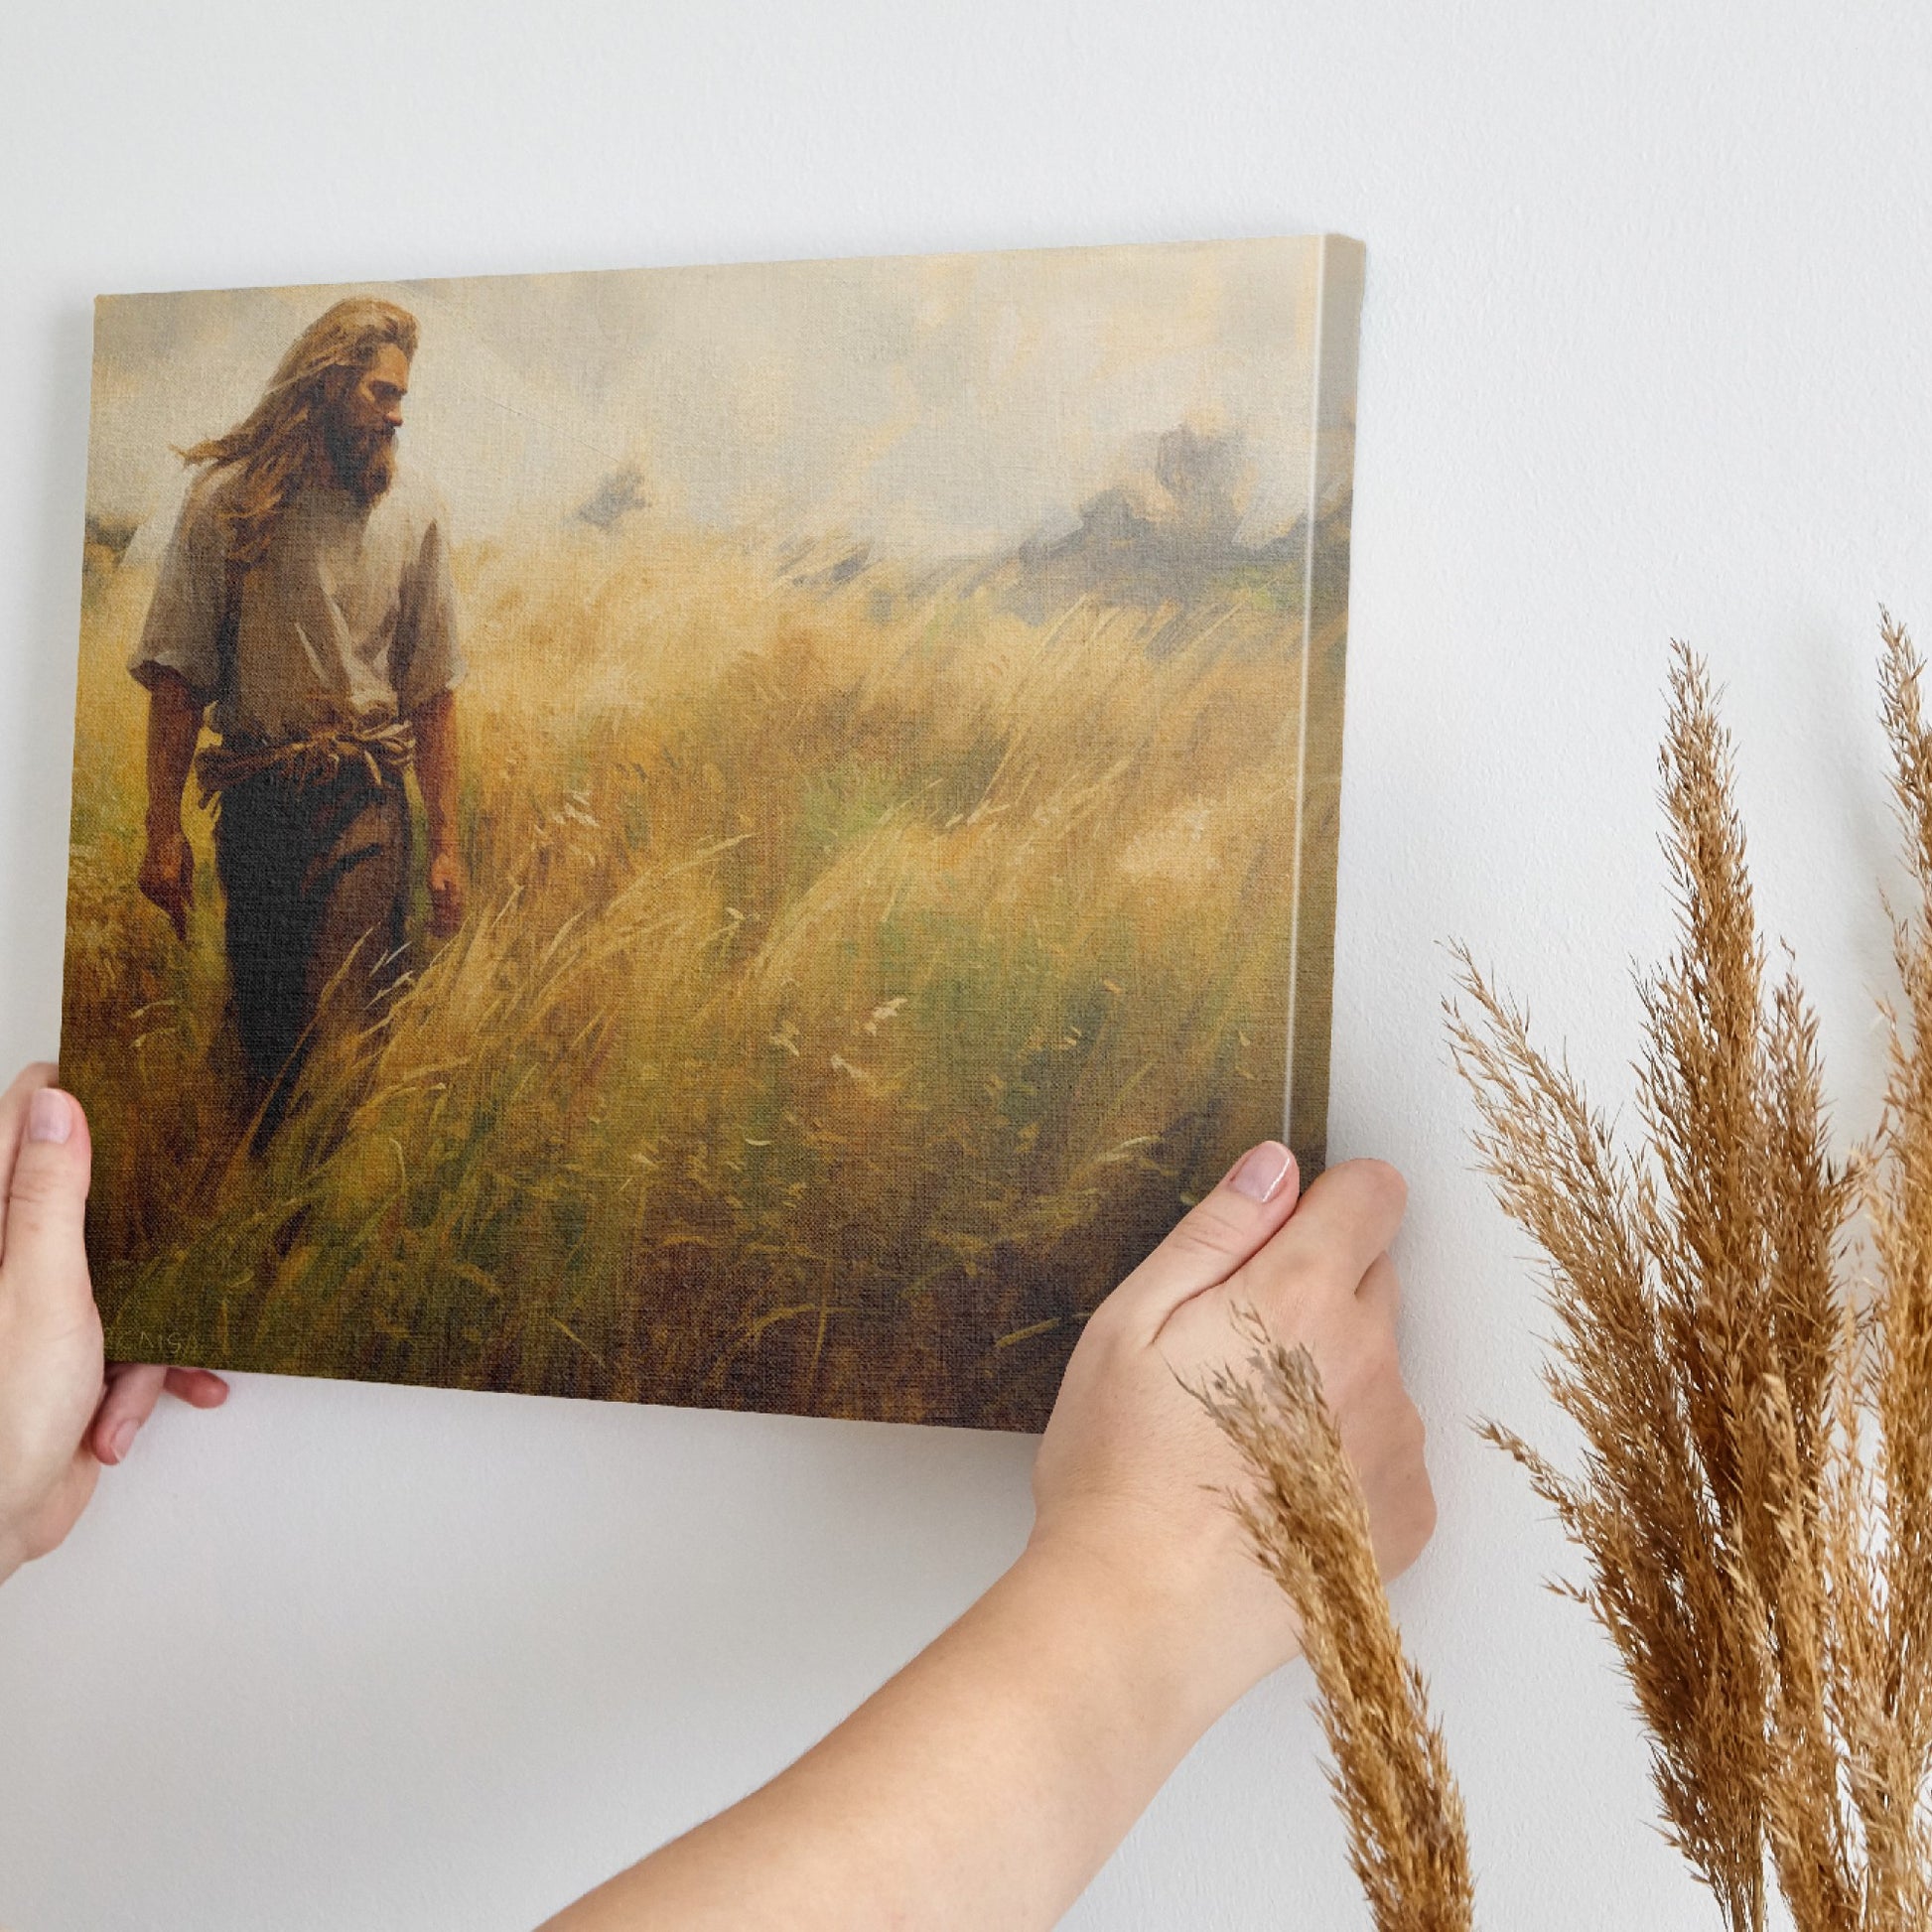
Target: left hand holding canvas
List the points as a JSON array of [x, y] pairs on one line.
[[64, 1411]]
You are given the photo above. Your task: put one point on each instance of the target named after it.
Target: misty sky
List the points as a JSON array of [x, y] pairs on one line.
[[936, 405]]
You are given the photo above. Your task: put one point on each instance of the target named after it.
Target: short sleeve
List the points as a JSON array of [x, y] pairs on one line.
[[182, 632], [429, 657]]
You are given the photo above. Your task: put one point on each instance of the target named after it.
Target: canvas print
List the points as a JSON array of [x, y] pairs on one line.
[[741, 836]]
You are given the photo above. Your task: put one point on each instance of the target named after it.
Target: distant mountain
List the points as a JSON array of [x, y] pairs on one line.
[[1172, 539]]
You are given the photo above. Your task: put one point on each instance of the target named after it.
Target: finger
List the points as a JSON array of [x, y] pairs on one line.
[[43, 1255], [1346, 1218], [132, 1391], [13, 1125], [1221, 1231], [199, 1388]]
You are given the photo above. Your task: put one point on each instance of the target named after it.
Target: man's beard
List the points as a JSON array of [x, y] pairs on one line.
[[365, 463]]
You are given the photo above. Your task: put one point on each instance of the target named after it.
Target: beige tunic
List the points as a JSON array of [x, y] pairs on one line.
[[348, 619]]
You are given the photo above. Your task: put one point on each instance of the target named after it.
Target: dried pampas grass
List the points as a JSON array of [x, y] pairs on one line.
[[1753, 1498], [1753, 1495], [1308, 1522]]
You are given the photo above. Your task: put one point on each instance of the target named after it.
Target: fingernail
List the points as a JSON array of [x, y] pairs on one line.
[[1262, 1170], [122, 1438], [49, 1115]]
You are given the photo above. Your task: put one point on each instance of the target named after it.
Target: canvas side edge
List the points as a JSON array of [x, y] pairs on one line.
[[79, 642], [1325, 639]]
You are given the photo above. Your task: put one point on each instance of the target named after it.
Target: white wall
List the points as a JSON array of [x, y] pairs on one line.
[[1644, 354]]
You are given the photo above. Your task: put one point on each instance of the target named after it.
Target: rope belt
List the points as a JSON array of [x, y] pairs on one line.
[[302, 761]]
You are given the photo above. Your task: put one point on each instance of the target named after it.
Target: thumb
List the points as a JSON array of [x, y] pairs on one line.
[[1227, 1225], [42, 1233]]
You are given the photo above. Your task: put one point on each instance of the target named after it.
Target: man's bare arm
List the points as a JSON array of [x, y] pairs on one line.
[[167, 873], [436, 772]]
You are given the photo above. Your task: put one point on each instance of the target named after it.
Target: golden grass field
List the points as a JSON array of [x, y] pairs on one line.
[[859, 977]]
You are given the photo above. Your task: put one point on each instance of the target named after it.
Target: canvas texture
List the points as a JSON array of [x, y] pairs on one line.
[[757, 852]]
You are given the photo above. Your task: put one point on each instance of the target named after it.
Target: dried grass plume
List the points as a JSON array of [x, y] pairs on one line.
[[1308, 1525], [1754, 1501]]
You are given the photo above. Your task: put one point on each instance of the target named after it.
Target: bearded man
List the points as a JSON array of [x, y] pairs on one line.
[[304, 608]]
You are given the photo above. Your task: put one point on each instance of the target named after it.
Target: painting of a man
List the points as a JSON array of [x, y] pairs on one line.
[[899, 811], [304, 608]]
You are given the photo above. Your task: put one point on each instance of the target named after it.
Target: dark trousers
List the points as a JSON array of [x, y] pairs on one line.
[[316, 878]]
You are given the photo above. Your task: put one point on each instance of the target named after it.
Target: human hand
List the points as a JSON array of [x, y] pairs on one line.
[[1130, 1479], [167, 876], [447, 892], [64, 1413]]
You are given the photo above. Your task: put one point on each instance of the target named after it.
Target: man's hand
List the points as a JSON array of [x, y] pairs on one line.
[[1131, 1470], [167, 873], [436, 772], [167, 876], [447, 892], [63, 1412]]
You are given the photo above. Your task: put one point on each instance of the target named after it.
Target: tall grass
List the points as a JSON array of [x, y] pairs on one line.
[[860, 975]]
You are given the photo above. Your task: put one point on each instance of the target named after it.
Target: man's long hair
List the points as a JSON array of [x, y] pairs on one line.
[[285, 435]]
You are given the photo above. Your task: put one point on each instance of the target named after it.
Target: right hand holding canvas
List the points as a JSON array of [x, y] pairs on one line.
[[1132, 1472], [988, 1781]]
